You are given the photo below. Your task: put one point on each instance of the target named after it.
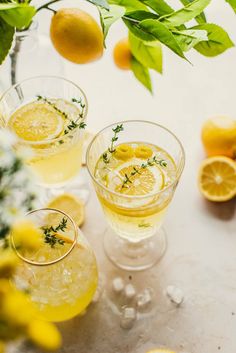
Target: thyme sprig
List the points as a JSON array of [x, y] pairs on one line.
[[149, 163], [50, 233], [112, 149], [73, 124]]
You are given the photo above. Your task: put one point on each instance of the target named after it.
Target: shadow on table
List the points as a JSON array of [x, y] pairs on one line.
[[222, 210]]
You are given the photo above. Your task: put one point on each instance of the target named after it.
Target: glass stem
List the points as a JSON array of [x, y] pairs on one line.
[[14, 56]]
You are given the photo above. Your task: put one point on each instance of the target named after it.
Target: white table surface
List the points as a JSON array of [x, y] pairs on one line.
[[201, 255]]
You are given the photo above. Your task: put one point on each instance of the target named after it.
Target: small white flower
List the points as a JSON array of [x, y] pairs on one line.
[[7, 138]]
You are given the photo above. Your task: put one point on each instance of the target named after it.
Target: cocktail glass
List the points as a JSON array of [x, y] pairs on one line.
[[61, 275], [135, 239], [58, 160]]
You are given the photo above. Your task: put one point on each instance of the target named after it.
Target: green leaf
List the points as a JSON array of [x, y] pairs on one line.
[[141, 73], [7, 6], [149, 54], [185, 14], [187, 39], [232, 3], [6, 38], [160, 32], [160, 6], [101, 3], [19, 17], [200, 18], [107, 18], [135, 28], [130, 5], [218, 40]]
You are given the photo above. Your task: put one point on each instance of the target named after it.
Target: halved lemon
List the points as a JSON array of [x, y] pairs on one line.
[[143, 182], [36, 121], [71, 205], [160, 351], [217, 178]]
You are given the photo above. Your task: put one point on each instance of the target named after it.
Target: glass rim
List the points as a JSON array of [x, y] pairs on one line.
[[18, 84], [48, 263], [179, 170]]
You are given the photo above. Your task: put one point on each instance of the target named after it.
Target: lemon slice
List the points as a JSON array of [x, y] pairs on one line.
[[160, 351], [144, 182], [217, 178], [36, 122], [71, 205]]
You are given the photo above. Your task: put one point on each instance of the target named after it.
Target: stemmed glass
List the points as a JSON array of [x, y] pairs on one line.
[[55, 161], [135, 239]]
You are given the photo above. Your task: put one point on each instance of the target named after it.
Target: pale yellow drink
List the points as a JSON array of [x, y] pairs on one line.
[[47, 127], [133, 205]]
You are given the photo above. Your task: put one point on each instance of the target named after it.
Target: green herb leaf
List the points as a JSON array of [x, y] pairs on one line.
[[7, 6], [130, 5], [159, 6], [149, 54], [141, 73], [185, 14], [6, 38], [101, 3], [218, 40], [19, 17], [160, 32], [107, 18], [200, 18], [187, 39], [232, 3]]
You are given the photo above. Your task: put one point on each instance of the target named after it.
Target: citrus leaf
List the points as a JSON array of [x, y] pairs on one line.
[[141, 73], [159, 6], [6, 38], [185, 14], [101, 3], [218, 40], [148, 54], [19, 17], [107, 18], [134, 26], [7, 6], [188, 38], [200, 18], [160, 32], [130, 5], [232, 3]]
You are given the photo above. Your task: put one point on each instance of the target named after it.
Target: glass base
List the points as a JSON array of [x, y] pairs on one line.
[[134, 256]]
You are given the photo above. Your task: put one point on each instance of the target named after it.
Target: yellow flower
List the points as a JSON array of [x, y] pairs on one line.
[[17, 309], [44, 334], [8, 262], [2, 347], [26, 235], [143, 152], [124, 152]]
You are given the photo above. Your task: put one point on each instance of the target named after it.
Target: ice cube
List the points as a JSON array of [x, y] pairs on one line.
[[128, 317], [118, 284], [130, 291], [144, 299], [175, 294]]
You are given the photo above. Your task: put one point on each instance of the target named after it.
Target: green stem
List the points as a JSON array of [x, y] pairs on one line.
[[130, 19], [45, 6]]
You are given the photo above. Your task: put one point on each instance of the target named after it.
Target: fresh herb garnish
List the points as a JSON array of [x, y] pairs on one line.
[[144, 225], [112, 149], [73, 124], [150, 163], [50, 233]]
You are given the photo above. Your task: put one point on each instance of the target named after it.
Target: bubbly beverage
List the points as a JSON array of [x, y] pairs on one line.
[[52, 129], [137, 176], [61, 276]]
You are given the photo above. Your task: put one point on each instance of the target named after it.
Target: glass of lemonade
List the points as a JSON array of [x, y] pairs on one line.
[[135, 167], [48, 115], [61, 275]]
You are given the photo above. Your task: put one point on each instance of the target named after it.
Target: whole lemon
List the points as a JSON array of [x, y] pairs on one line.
[[219, 136], [76, 36], [122, 54]]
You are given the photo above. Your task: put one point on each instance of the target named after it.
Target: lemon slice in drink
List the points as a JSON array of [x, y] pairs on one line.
[[69, 204], [146, 181], [217, 178], [36, 122]]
